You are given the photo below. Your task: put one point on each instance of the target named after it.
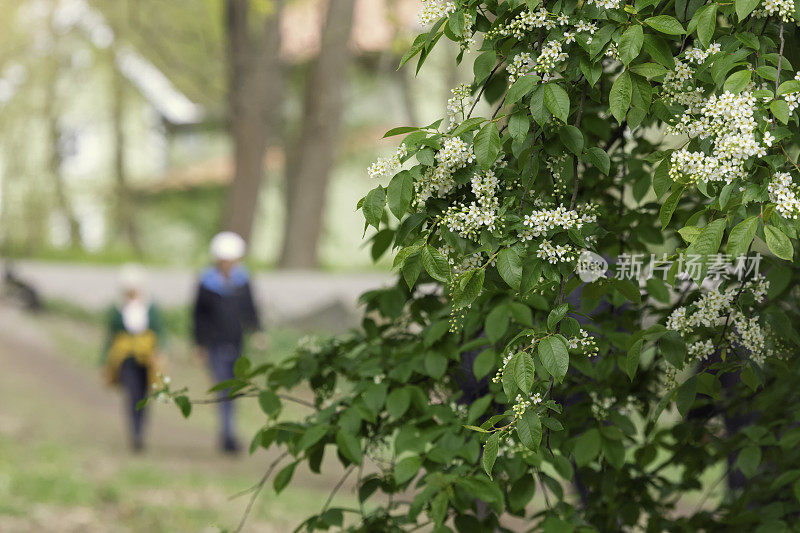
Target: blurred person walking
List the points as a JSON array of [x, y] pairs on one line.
[[130, 357], [224, 311]]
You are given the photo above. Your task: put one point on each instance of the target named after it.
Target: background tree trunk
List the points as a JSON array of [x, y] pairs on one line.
[[314, 152], [125, 221], [55, 157], [255, 102]]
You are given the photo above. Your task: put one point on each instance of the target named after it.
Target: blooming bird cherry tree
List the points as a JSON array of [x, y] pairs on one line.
[[497, 387]]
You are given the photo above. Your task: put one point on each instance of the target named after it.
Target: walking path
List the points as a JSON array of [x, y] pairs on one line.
[[284, 295]]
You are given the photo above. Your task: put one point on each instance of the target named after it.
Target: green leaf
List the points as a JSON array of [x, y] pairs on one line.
[[555, 316], [241, 367], [399, 193], [518, 125], [509, 265], [741, 236], [587, 447], [468, 125], [706, 23], [456, 23], [529, 430], [686, 395], [284, 477], [630, 44], [599, 158], [778, 243], [400, 131], [572, 139], [521, 367], [619, 99], [483, 65], [689, 233], [184, 404], [406, 469], [490, 453], [487, 145], [554, 355], [649, 70], [269, 403], [435, 365], [521, 87], [661, 180], [468, 288], [397, 402], [373, 206], [780, 109], [705, 245], [496, 323], [539, 110], [665, 24], [748, 460], [629, 289], [745, 7], [416, 47], [673, 348], [737, 81], [632, 359], [349, 446], [436, 264], [557, 101], [312, 436]]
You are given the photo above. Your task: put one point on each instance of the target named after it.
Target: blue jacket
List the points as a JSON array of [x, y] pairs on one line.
[[224, 308]]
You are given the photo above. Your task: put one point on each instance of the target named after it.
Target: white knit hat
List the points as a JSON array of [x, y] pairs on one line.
[[227, 246], [132, 277]]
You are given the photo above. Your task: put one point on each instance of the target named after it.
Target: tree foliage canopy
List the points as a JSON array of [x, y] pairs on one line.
[[502, 376]]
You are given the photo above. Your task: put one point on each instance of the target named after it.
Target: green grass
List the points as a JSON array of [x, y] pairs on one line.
[[54, 467]]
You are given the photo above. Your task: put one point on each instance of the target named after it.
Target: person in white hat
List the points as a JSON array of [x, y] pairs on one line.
[[224, 311], [130, 357]]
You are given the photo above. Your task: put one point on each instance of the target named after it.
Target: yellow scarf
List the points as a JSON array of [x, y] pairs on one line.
[[142, 347]]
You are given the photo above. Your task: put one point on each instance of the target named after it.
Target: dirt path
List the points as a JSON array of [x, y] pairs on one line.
[[45, 396]]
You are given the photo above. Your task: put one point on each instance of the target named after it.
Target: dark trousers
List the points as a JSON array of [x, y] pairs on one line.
[[221, 358], [133, 378]]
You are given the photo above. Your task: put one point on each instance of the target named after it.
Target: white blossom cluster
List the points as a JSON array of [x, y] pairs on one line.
[[677, 87], [470, 262], [551, 54], [388, 166], [528, 21], [699, 56], [700, 350], [585, 342], [433, 10], [716, 308], [601, 406], [458, 106], [728, 120], [498, 377], [560, 253], [520, 65], [752, 337], [468, 220], [612, 51], [438, 181], [782, 8], [540, 221], [606, 4], [523, 405], [784, 192]]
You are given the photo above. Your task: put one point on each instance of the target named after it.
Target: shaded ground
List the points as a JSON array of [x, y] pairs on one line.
[[64, 464]]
